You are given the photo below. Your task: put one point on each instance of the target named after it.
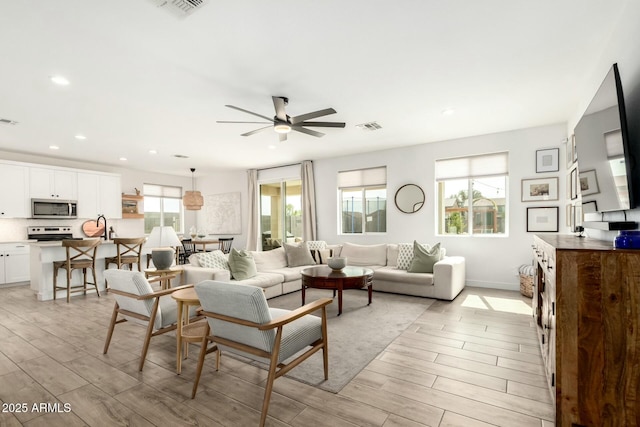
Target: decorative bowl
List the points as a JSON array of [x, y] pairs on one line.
[[337, 263]]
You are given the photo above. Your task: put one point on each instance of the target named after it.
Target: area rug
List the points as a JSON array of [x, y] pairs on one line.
[[357, 336]]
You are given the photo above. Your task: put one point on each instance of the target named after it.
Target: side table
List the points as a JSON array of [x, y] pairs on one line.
[[165, 280], [187, 332]]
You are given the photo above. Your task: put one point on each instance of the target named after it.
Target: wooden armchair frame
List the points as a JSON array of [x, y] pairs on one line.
[[276, 369], [150, 319]]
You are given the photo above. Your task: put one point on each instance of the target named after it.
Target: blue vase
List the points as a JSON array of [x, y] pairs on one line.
[[627, 239]]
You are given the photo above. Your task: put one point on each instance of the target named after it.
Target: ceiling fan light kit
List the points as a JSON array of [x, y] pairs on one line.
[[282, 123], [192, 200]]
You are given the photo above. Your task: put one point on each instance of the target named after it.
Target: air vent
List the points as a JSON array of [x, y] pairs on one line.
[[180, 156], [370, 126], [180, 8], [7, 122]]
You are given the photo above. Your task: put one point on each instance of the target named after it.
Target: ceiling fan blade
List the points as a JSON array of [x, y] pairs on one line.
[[322, 124], [308, 116], [278, 103], [283, 137], [227, 121], [250, 112], [257, 130], [307, 131]]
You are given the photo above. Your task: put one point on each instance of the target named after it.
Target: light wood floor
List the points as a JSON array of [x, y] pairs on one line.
[[471, 362]]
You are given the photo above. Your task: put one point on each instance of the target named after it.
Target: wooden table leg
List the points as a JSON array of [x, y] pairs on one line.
[[303, 293], [179, 339], [339, 299], [370, 291]]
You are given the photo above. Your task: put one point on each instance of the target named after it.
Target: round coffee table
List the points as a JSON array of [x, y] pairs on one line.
[[323, 277]]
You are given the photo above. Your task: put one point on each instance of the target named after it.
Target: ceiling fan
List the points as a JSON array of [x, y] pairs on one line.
[[282, 123]]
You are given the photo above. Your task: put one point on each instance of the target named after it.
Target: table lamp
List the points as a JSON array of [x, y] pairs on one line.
[[161, 241]]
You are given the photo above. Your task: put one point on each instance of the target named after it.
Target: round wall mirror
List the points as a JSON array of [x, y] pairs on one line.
[[409, 198]]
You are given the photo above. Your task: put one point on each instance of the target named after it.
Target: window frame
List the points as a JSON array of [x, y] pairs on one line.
[[164, 192], [366, 179]]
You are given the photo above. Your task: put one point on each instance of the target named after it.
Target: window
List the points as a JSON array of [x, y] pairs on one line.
[[162, 207], [363, 201], [472, 194], [280, 213]]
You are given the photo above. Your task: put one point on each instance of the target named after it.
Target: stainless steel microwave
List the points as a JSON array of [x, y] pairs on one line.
[[54, 208]]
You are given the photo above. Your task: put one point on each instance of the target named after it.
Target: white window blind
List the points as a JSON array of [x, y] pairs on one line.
[[362, 177], [162, 191], [473, 166]]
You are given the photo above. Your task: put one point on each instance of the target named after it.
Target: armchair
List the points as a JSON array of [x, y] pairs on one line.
[[240, 321], [136, 300]]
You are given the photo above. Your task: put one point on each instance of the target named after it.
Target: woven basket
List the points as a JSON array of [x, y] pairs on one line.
[[526, 285]]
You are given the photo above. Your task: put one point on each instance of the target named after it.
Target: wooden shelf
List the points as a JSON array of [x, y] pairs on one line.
[[131, 206]]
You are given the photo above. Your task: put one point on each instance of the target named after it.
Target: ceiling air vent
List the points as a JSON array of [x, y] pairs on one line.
[[180, 8], [7, 122], [369, 126]]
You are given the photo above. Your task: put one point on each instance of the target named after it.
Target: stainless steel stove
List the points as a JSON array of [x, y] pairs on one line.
[[50, 233]]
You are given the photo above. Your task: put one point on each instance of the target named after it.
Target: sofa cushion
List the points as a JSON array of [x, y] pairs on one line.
[[405, 254], [269, 260], [364, 255], [298, 255], [392, 274], [423, 258], [392, 255], [320, 256], [289, 273], [337, 249], [213, 259], [263, 280], [242, 264], [316, 244]]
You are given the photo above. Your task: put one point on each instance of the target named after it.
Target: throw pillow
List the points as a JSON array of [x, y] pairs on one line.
[[242, 264], [405, 255], [423, 258], [213, 259], [316, 244], [298, 255], [320, 256]]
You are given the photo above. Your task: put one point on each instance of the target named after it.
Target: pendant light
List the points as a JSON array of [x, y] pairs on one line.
[[193, 199]]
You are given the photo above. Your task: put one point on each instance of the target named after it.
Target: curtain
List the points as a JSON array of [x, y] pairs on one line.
[[254, 215], [308, 201]]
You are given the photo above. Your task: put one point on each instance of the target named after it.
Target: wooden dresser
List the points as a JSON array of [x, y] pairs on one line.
[[586, 303]]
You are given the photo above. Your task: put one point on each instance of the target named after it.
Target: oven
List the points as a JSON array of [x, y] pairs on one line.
[[50, 233]]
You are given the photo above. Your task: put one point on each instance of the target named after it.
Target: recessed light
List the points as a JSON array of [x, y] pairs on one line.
[[54, 147], [59, 80], [448, 111], [123, 159], [153, 151], [81, 137]]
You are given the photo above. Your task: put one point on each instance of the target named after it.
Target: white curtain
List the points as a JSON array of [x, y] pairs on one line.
[[254, 215], [308, 201]]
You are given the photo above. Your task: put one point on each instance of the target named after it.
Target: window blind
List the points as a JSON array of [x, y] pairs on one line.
[[162, 191], [472, 166], [362, 177]]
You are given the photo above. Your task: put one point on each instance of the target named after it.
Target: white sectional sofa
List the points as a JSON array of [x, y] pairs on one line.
[[277, 278]]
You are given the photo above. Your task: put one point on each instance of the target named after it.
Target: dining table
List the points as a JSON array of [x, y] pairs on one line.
[[201, 244]]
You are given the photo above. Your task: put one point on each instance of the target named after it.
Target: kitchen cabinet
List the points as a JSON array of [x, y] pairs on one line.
[[99, 194], [14, 262], [47, 183], [14, 186], [586, 306]]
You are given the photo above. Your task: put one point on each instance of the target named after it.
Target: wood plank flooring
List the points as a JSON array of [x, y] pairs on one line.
[[471, 362]]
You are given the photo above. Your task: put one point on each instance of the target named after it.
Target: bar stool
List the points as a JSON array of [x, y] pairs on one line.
[[81, 254], [128, 252]]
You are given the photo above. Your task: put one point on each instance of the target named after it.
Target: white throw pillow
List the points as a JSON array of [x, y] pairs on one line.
[[213, 259], [405, 254], [314, 245]]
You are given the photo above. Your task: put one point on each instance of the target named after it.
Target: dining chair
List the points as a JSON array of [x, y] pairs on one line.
[[241, 322], [225, 244], [188, 248], [80, 255], [136, 300], [128, 252]]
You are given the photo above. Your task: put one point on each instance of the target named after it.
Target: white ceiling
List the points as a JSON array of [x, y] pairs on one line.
[[142, 78]]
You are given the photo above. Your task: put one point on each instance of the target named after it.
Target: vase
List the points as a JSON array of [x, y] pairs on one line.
[[627, 239]]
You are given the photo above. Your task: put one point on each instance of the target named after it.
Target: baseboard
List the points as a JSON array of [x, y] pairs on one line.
[[493, 285]]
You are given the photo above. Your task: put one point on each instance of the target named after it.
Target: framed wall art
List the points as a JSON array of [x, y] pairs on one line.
[[569, 151], [573, 185], [543, 219], [541, 189], [589, 183], [548, 160], [590, 206]]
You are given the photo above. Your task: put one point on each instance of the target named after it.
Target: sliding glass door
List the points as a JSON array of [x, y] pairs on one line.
[[280, 213]]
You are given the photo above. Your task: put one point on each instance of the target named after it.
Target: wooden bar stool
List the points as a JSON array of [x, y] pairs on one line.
[[81, 254], [128, 252]]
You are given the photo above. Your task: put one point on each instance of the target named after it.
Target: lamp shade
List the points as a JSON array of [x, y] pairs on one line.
[[161, 241], [192, 200]]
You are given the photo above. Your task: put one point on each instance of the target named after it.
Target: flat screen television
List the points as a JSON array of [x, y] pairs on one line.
[[604, 150]]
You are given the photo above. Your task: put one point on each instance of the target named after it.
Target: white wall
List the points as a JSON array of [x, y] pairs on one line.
[[491, 261]]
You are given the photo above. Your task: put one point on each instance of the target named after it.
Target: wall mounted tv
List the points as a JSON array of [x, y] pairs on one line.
[[606, 167]]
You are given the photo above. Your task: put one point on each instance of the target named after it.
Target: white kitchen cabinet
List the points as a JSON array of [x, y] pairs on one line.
[[47, 183], [14, 185], [99, 194], [14, 262]]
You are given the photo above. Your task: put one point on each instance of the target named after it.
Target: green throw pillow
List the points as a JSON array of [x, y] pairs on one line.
[[242, 264], [424, 259]]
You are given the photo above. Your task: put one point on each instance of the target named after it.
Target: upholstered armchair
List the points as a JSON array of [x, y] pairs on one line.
[[240, 321], [136, 300]]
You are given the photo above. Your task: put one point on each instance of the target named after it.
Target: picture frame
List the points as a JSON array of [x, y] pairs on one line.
[[569, 151], [588, 181], [568, 214], [574, 152], [548, 160], [539, 189], [590, 206], [574, 184], [542, 219], [572, 218], [578, 219]]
